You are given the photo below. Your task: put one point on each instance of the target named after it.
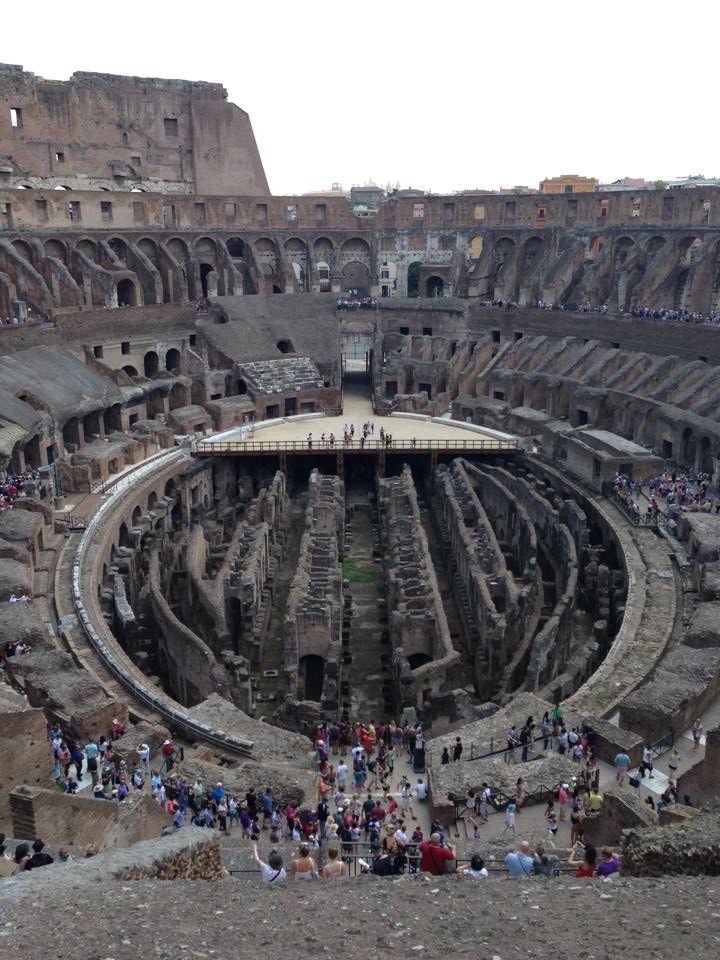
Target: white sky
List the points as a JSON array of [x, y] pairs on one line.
[[440, 96]]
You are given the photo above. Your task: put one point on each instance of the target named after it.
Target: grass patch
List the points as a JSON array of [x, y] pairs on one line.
[[356, 572]]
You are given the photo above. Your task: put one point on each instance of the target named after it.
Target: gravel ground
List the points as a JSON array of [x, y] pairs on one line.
[[496, 919]]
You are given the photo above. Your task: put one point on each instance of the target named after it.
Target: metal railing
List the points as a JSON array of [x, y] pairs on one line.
[[214, 448]]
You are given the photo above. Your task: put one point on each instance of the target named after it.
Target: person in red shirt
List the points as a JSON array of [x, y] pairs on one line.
[[378, 812], [434, 857], [586, 866]]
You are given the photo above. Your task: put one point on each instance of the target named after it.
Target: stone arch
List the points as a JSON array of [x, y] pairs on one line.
[[88, 248], [539, 395], [236, 248], [296, 252], [266, 254], [123, 535], [179, 249], [476, 247], [531, 251], [655, 245], [706, 459], [413, 278], [356, 278], [434, 286], [206, 249], [177, 396], [126, 293], [130, 370], [285, 346], [119, 248], [137, 516], [171, 488], [689, 249], [151, 363], [688, 447], [23, 248], [324, 249], [71, 432], [173, 359], [152, 500], [621, 250], [55, 248], [149, 248], [355, 249], [241, 387], [504, 247], [596, 245]]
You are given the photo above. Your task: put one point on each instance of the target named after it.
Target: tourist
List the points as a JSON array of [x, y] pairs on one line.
[[477, 868], [457, 749], [510, 812], [445, 758], [64, 856], [435, 858], [674, 763], [143, 752], [622, 762], [609, 864], [563, 799], [697, 731], [303, 867], [587, 864], [543, 863], [272, 871], [334, 868], [647, 762], [38, 858], [519, 862]]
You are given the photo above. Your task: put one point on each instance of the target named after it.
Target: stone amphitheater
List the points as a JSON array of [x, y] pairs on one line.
[[271, 464]]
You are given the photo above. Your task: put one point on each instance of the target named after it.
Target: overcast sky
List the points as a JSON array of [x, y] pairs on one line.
[[441, 96]]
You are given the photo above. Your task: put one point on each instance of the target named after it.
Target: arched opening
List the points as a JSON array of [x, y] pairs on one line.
[[205, 270], [130, 370], [655, 245], [151, 363], [123, 536], [177, 397], [23, 249], [276, 288], [119, 248], [241, 387], [688, 447], [311, 676], [54, 248], [86, 247], [71, 433], [236, 248], [323, 272], [136, 516], [531, 251], [356, 279], [149, 249], [418, 660], [434, 287], [706, 464], [172, 359], [126, 295], [413, 279], [476, 248], [170, 488], [91, 426], [112, 419], [285, 346], [62, 186], [152, 500]]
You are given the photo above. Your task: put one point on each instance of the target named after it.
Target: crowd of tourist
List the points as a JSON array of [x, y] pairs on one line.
[[677, 491], [11, 487], [646, 312], [356, 303]]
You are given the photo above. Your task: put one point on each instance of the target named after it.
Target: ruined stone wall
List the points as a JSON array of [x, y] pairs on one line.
[[248, 580], [422, 647], [101, 131], [63, 819], [691, 848], [313, 618], [24, 747], [496, 608]]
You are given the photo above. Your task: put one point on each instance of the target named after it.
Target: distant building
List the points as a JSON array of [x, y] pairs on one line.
[[368, 196], [627, 183], [568, 183]]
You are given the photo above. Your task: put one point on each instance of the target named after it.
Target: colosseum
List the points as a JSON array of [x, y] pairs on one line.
[[432, 479]]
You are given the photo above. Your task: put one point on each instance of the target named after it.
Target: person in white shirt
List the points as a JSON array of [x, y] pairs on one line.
[[476, 868], [420, 790], [143, 752], [272, 871]]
